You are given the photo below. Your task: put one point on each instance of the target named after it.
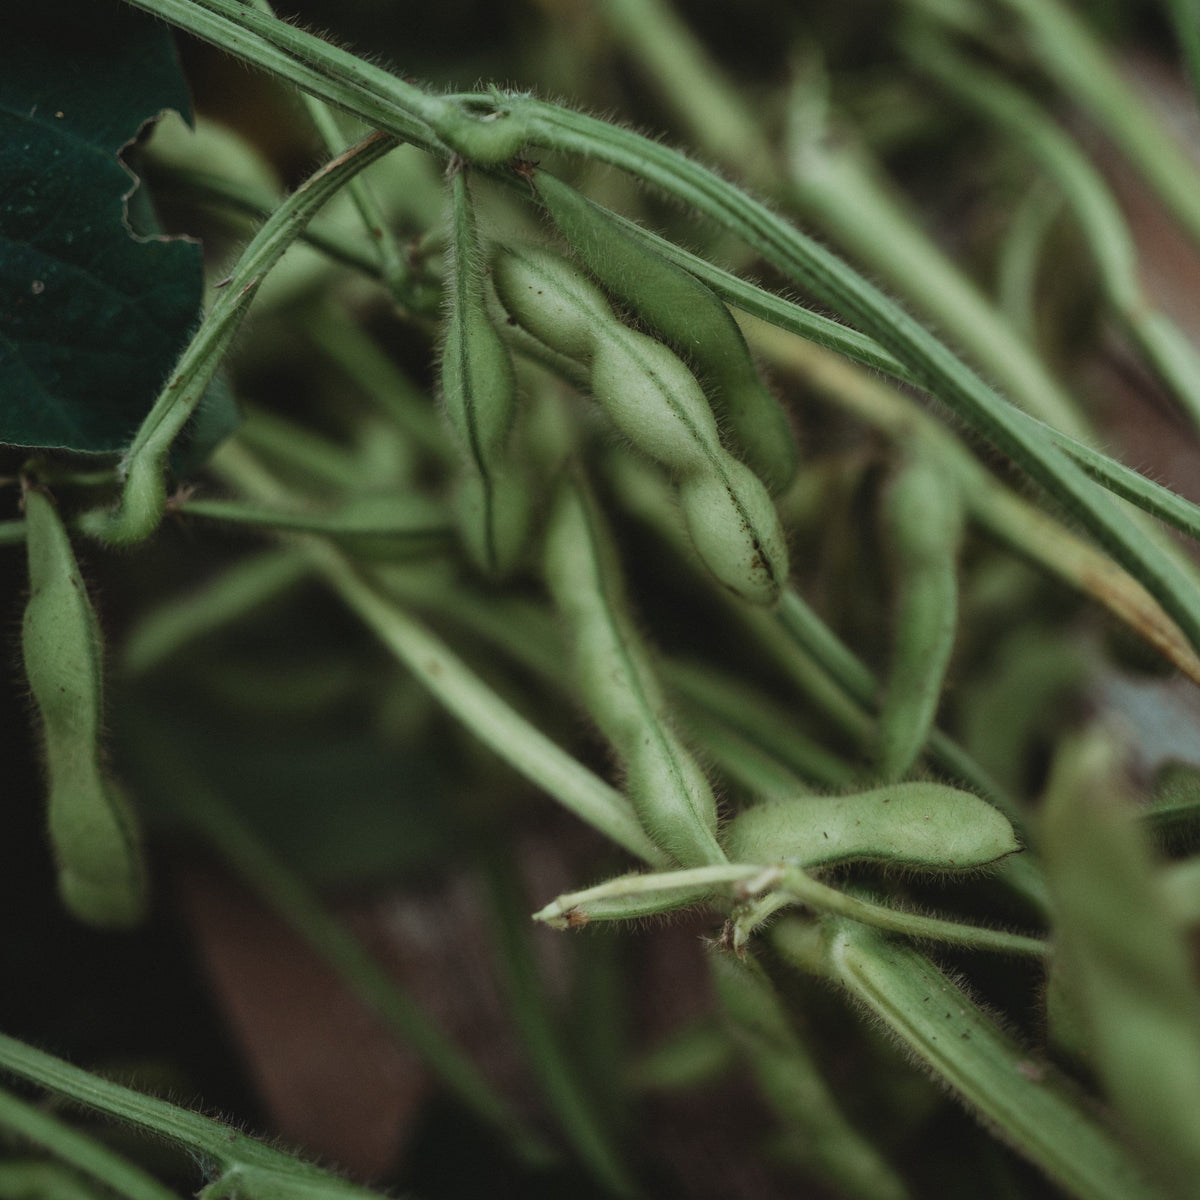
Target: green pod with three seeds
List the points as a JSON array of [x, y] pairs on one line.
[[97, 847], [652, 397], [690, 318]]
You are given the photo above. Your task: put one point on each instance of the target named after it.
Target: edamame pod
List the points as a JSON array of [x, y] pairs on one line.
[[689, 317], [923, 826], [658, 404], [101, 877], [922, 520], [668, 790], [480, 394], [629, 897]]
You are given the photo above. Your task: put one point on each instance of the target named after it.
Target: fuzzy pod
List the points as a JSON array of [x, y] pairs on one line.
[[923, 513], [632, 907], [652, 397], [922, 521], [667, 788], [655, 400], [919, 826], [551, 299], [495, 514], [673, 798], [630, 897], [478, 386], [97, 847], [689, 317], [479, 390], [736, 531]]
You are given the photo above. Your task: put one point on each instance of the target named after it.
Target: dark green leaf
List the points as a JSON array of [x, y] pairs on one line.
[[91, 316]]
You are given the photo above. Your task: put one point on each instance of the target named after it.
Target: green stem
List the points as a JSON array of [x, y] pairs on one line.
[[212, 1141], [790, 1081], [629, 897], [12, 533], [497, 725], [1164, 345], [395, 268], [1021, 257], [745, 711], [232, 197], [370, 368], [144, 497], [844, 195], [1185, 16], [422, 525], [442, 124], [38, 1180], [321, 462], [676, 64], [85, 1154], [173, 625], [1151, 497], [1078, 63], [822, 898], [736, 756]]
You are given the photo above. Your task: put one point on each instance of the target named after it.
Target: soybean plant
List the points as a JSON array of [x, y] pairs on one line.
[[821, 765]]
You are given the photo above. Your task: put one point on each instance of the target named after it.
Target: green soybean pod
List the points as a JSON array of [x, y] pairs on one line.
[[101, 877], [659, 405], [689, 317], [668, 790], [629, 897], [922, 521], [922, 826], [480, 394]]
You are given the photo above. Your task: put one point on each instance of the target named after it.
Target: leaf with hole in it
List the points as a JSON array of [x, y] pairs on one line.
[[92, 317]]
